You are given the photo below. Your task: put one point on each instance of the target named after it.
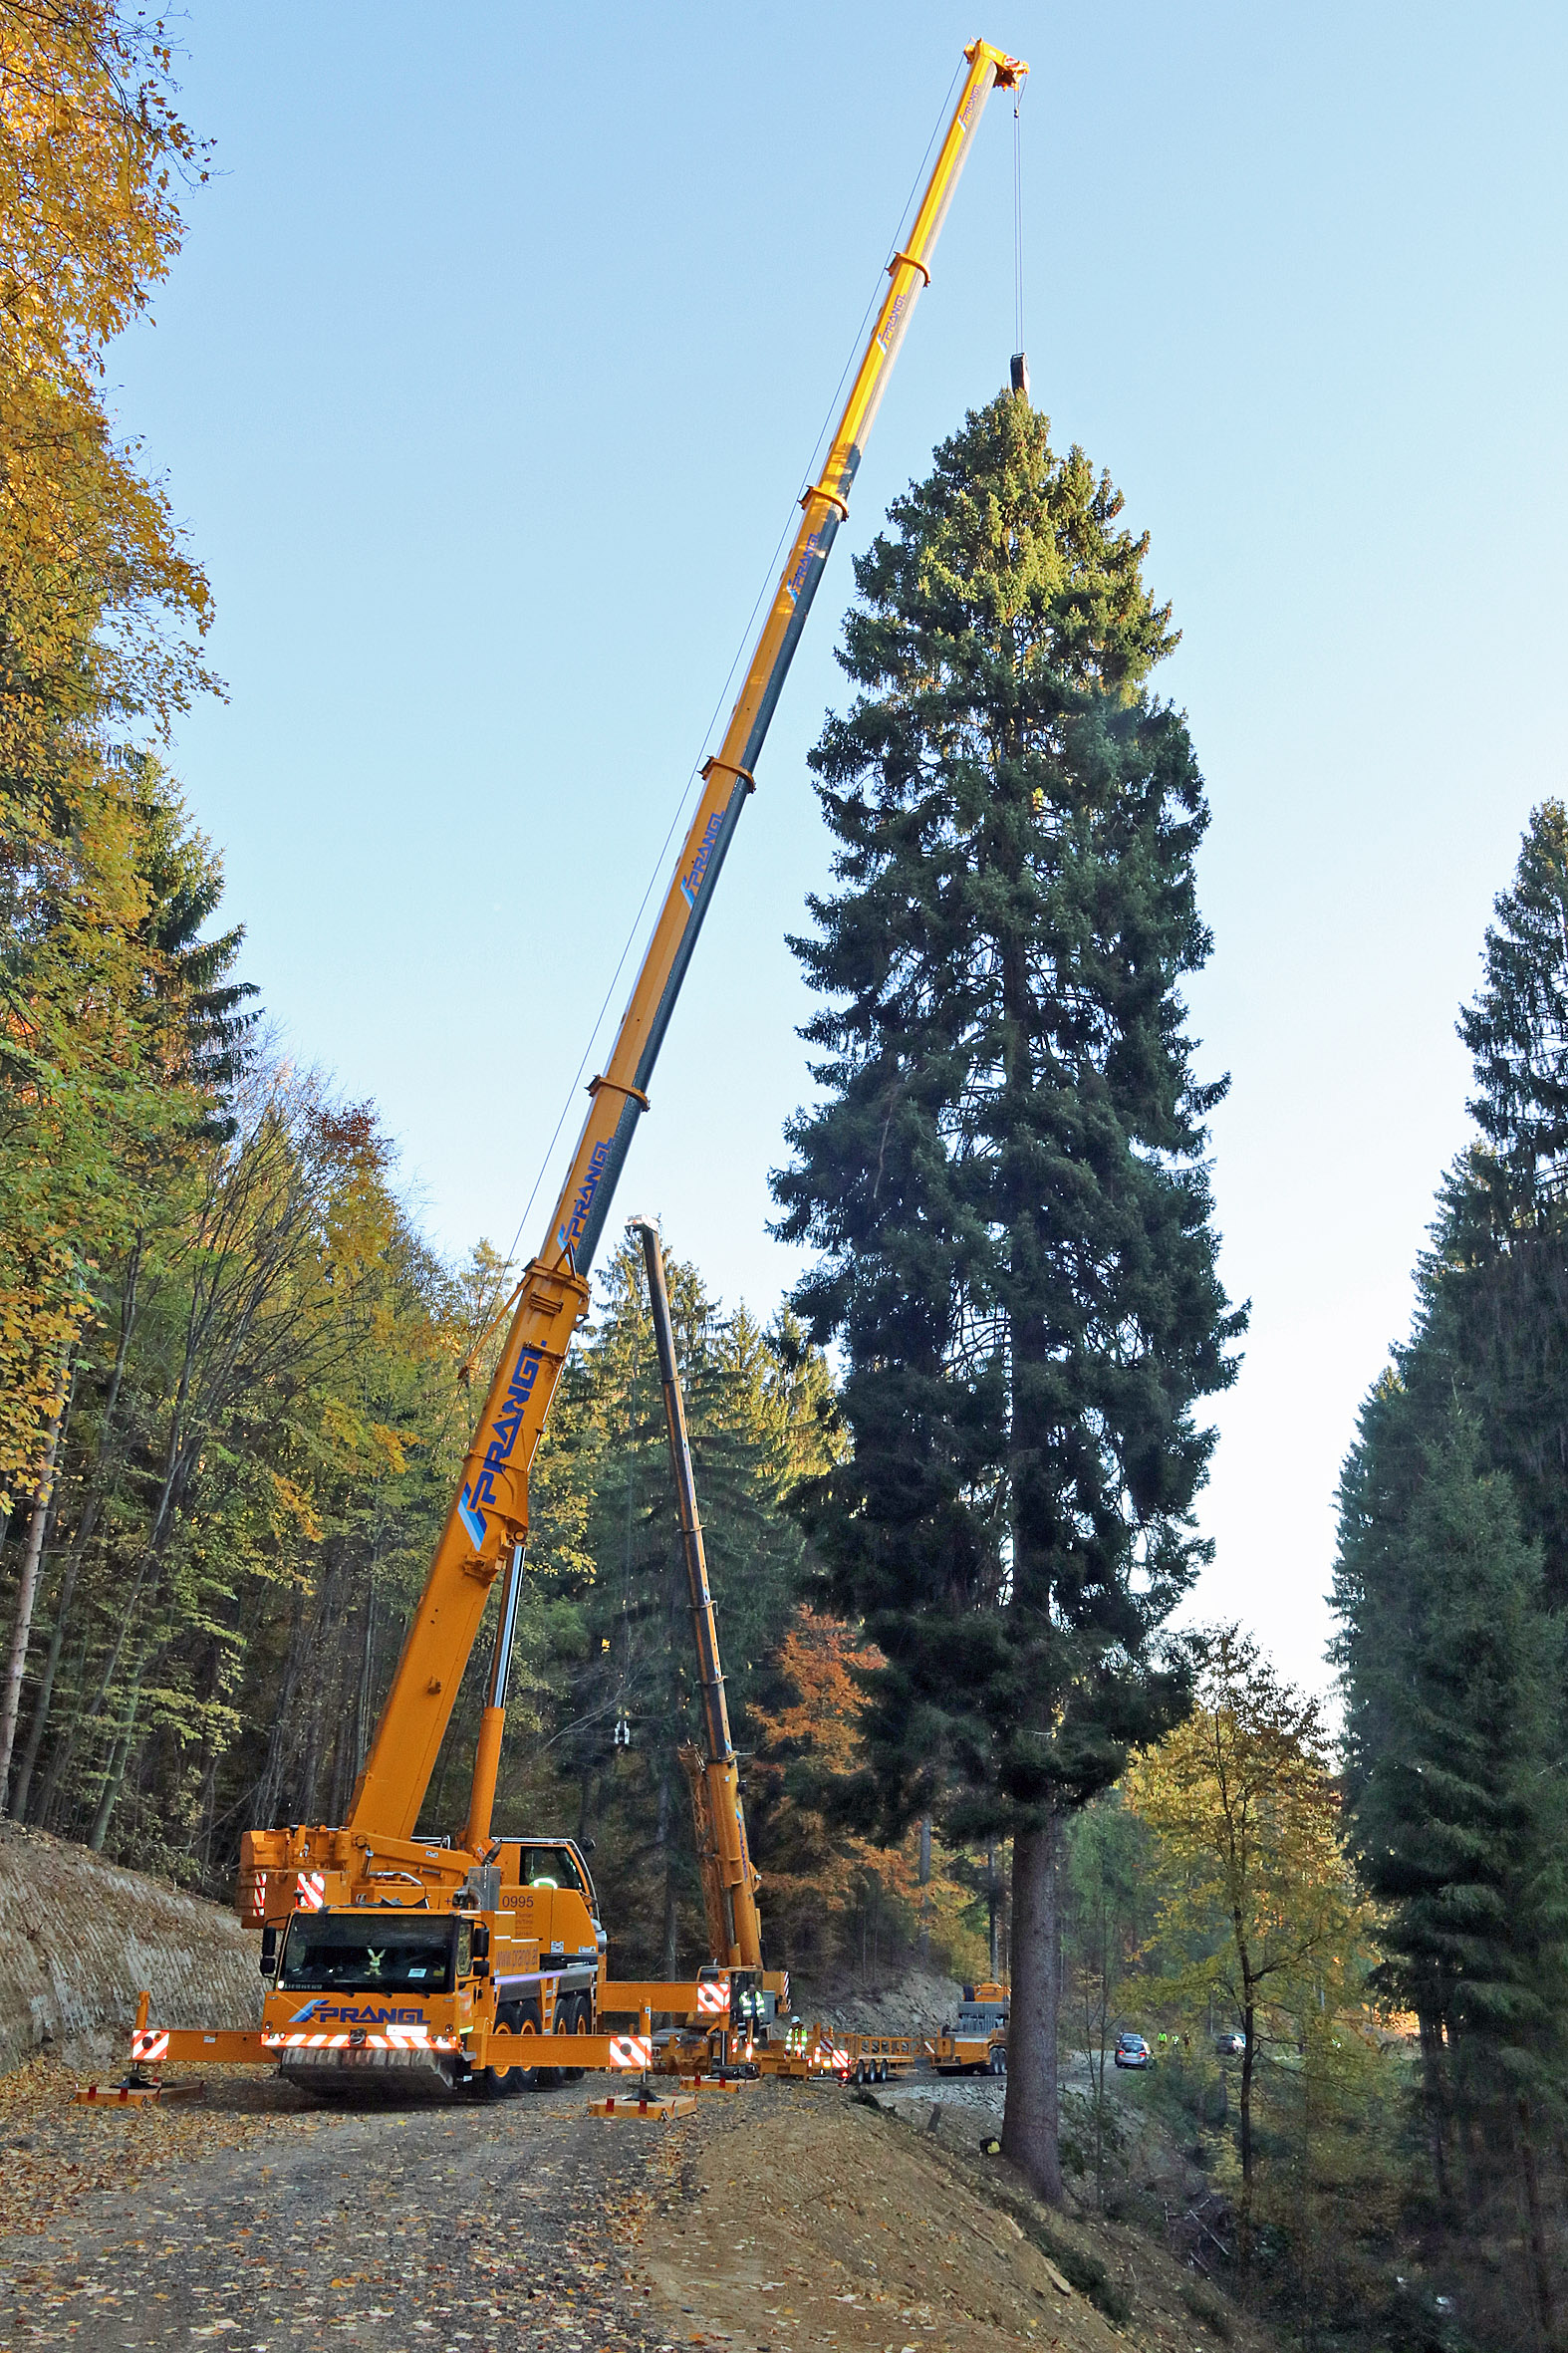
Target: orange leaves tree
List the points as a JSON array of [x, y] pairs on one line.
[[827, 1891]]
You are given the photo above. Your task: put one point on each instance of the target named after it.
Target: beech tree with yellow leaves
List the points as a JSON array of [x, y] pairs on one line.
[[1261, 1923], [102, 616]]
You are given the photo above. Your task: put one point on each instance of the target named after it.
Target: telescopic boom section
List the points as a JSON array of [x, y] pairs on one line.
[[490, 1518], [729, 1883]]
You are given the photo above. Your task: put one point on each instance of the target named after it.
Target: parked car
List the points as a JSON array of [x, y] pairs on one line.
[[1232, 2046], [1133, 2051]]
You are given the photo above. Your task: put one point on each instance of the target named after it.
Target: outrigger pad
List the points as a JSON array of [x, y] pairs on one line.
[[132, 2093], [662, 2111]]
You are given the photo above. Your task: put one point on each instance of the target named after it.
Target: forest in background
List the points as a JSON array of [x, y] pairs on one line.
[[231, 1416]]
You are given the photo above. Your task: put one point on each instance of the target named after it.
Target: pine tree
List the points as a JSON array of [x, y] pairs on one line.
[[1004, 1181]]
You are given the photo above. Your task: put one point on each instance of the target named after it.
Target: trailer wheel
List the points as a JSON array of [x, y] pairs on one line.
[[883, 2072], [998, 2060]]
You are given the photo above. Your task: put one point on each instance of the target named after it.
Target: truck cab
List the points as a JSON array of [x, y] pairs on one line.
[[546, 1891], [367, 1989]]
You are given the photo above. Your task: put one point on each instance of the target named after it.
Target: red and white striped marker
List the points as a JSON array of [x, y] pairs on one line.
[[311, 1888]]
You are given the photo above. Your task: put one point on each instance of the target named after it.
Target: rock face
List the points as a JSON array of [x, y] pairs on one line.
[[79, 1939]]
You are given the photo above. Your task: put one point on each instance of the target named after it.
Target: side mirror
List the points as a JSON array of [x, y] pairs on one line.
[[268, 1963]]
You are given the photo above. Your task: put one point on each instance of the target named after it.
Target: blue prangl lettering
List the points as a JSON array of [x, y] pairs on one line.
[[475, 1500], [691, 880]]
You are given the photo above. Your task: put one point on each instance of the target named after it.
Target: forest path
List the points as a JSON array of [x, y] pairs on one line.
[[261, 2219], [783, 2217]]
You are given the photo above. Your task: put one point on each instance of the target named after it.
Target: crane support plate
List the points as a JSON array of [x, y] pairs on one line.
[[658, 2111]]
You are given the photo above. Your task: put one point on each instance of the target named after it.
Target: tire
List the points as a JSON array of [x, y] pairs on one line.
[[562, 2021], [582, 2023], [526, 2079], [996, 2064], [503, 2083]]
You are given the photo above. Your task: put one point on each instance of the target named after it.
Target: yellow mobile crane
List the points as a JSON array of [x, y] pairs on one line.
[[382, 1947]]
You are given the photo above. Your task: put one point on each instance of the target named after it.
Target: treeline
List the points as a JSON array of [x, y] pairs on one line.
[[1451, 1587], [1381, 1921]]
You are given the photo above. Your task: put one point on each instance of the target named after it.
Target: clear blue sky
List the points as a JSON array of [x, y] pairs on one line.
[[490, 371]]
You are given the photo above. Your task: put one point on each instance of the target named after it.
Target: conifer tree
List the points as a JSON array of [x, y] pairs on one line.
[[1456, 1790], [1495, 1284], [1004, 1181]]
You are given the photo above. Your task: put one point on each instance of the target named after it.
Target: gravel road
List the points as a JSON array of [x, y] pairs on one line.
[[263, 2221]]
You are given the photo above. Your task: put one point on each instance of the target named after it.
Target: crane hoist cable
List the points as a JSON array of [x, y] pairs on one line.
[[497, 1308]]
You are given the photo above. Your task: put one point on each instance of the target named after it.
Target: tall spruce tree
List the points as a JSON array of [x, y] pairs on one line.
[[1451, 1588], [1498, 1275], [1456, 1790], [1004, 1181]]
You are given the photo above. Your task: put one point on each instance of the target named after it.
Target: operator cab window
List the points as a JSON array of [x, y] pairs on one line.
[[331, 1953], [550, 1867]]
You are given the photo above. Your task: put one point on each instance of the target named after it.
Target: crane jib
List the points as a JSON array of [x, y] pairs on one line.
[[703, 878], [488, 1520]]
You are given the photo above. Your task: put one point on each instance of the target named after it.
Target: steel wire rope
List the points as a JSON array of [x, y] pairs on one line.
[[655, 871], [876, 293], [1017, 220], [489, 1314]]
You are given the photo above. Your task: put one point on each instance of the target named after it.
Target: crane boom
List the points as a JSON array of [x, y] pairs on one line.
[[729, 1881], [487, 1525]]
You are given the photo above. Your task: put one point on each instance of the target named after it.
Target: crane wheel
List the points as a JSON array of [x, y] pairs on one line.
[[499, 2083], [582, 2023], [562, 2022]]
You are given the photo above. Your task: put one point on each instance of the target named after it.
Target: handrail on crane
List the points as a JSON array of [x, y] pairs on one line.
[[488, 1521]]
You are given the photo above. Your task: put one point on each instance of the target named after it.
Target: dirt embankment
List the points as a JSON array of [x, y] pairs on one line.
[[785, 2218], [813, 2220], [79, 1939]]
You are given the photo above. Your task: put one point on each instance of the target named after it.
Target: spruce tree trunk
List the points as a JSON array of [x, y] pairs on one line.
[[1435, 2103], [1030, 2125], [27, 1588], [926, 1880], [1540, 2262]]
